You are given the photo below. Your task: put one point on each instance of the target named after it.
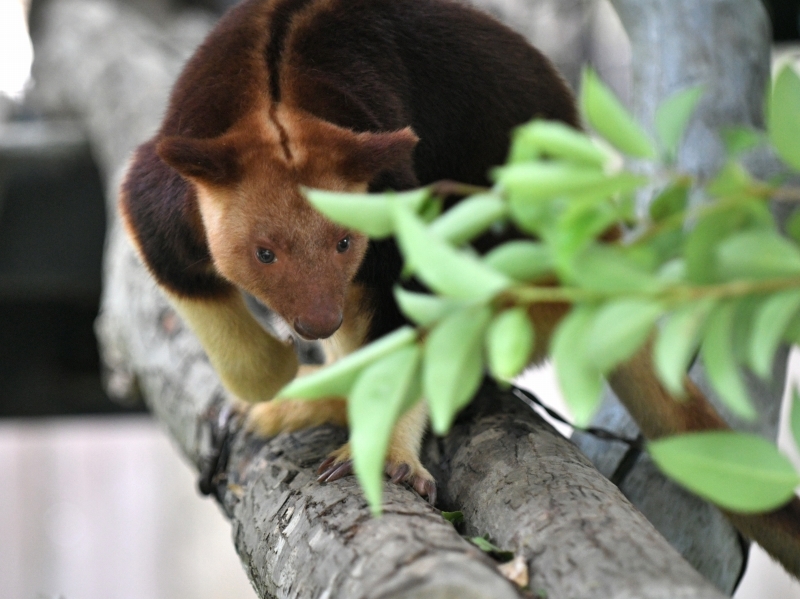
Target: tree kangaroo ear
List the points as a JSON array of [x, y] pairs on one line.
[[357, 156], [211, 160], [365, 155]]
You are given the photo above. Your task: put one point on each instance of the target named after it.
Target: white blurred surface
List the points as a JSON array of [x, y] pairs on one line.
[[103, 508], [16, 51]]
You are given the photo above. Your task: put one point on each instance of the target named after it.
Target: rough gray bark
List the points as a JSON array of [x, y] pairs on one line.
[[515, 479]]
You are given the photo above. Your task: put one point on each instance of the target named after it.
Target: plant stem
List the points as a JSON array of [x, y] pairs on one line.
[[454, 188], [670, 295]]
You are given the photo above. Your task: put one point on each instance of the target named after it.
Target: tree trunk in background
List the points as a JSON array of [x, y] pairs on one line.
[[512, 476], [723, 45]]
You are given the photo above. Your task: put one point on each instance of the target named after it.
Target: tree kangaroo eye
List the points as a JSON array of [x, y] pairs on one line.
[[343, 245], [266, 256]]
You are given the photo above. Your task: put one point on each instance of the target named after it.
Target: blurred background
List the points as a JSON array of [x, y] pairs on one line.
[[95, 503]]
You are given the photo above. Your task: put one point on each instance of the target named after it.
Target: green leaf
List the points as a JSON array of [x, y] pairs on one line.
[[536, 181], [608, 270], [783, 119], [739, 140], [793, 226], [580, 224], [677, 342], [671, 201], [610, 119], [425, 309], [731, 181], [337, 379], [743, 319], [672, 271], [667, 245], [382, 393], [453, 517], [430, 211], [740, 472], [484, 545], [553, 139], [719, 359], [535, 218], [453, 366], [369, 213], [509, 343], [618, 330], [771, 320], [521, 260], [757, 254], [580, 381], [469, 218], [440, 266], [709, 231], [794, 417], [792, 332], [673, 115]]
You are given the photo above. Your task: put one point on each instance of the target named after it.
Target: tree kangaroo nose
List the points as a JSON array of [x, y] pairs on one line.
[[318, 326]]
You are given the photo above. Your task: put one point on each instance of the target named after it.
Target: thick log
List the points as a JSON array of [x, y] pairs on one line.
[[514, 479]]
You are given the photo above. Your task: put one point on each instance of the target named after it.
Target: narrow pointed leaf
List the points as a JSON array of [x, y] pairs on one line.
[[673, 115], [509, 343], [440, 266], [536, 181], [453, 517], [608, 269], [739, 140], [743, 319], [783, 122], [425, 309], [580, 381], [720, 362], [521, 260], [771, 320], [731, 181], [794, 417], [738, 471], [671, 201], [757, 254], [337, 379], [453, 365], [677, 342], [555, 140], [610, 119], [369, 213], [709, 232], [379, 397], [486, 546], [618, 330], [469, 218], [793, 226]]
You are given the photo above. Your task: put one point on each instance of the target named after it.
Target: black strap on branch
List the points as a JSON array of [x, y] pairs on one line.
[[635, 445]]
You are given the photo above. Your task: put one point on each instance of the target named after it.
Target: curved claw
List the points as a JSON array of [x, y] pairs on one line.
[[426, 488], [336, 471], [400, 473], [335, 467], [325, 465], [423, 485]]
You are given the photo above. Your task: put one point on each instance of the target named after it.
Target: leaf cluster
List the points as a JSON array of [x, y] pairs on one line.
[[705, 271]]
